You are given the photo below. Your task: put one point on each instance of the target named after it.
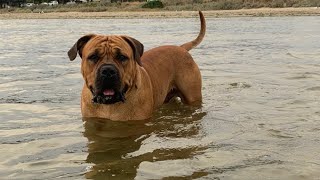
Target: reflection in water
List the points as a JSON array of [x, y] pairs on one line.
[[108, 143], [111, 143]]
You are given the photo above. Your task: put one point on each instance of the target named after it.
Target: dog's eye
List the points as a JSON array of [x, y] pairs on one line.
[[94, 57], [122, 58]]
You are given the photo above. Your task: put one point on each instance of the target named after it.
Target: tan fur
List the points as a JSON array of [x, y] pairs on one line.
[[165, 70]]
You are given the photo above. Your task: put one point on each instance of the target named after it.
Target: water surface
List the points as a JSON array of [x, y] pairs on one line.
[[259, 120]]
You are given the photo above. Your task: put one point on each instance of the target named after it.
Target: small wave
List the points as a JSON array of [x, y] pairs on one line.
[[22, 101], [289, 54], [316, 88], [240, 85]]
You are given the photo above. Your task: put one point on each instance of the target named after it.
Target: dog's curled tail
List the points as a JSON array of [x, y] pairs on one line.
[[189, 45]]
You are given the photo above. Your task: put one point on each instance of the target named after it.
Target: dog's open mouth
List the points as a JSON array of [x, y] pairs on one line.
[[109, 93], [109, 96]]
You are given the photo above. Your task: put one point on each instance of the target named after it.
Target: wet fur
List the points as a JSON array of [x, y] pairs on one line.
[[153, 77]]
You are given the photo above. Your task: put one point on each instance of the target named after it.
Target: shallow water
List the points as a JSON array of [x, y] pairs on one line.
[[259, 120]]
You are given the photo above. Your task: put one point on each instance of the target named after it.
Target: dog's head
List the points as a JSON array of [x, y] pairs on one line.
[[109, 65]]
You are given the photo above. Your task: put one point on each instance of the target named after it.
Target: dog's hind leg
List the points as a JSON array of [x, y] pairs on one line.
[[189, 86]]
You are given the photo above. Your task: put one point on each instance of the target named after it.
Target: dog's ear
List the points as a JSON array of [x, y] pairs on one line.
[[78, 46], [137, 48]]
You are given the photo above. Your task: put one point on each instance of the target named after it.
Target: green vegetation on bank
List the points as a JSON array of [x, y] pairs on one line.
[[153, 4], [236, 4], [171, 5]]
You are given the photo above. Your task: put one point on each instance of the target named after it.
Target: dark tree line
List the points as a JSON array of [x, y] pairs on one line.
[[18, 3]]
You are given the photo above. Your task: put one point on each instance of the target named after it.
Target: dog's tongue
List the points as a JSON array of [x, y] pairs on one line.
[[108, 92]]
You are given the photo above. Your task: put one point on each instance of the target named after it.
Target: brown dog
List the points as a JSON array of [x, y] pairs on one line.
[[124, 83]]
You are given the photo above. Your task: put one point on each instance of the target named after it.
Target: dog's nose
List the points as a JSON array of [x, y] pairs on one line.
[[108, 70]]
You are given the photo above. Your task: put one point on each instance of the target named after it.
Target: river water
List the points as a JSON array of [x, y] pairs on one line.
[[260, 117]]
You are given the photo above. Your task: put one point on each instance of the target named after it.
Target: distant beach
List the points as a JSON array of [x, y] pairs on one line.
[[301, 11]]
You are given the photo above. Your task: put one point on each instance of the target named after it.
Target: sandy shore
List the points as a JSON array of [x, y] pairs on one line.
[[307, 11]]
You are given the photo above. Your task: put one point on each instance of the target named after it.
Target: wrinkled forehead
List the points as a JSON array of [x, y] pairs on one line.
[[107, 45]]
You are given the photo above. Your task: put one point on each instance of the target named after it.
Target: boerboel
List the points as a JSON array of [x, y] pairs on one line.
[[122, 82]]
